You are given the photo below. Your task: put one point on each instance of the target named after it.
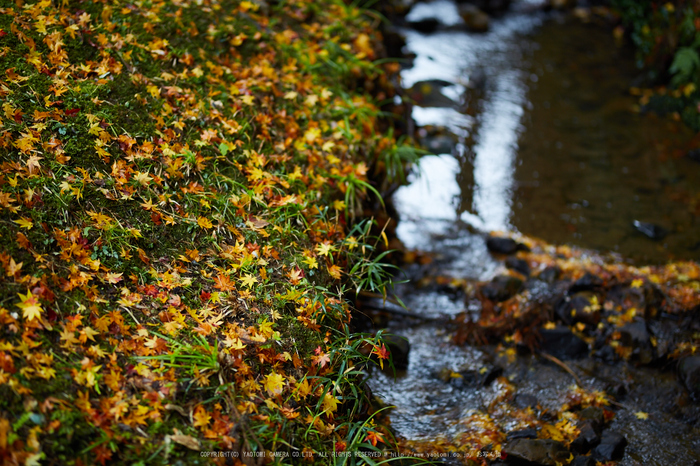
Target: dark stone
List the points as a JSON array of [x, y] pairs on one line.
[[636, 335], [689, 371], [519, 265], [489, 6], [561, 343], [474, 18], [399, 347], [525, 400], [583, 461], [550, 274], [650, 230], [523, 433], [664, 332], [586, 283], [587, 438], [472, 378], [607, 354], [501, 245], [594, 415], [611, 447], [537, 451], [429, 94], [501, 288], [426, 25], [489, 373], [581, 307], [394, 42]]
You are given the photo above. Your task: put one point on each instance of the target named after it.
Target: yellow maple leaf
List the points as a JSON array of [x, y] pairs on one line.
[[143, 178], [204, 222], [311, 262], [24, 223], [13, 267], [31, 308], [303, 389], [324, 249], [249, 280], [329, 404], [641, 415], [274, 383]]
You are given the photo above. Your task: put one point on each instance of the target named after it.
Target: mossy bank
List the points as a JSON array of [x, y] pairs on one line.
[[181, 192]]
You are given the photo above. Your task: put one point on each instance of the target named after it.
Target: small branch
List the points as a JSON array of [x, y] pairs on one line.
[[561, 364]]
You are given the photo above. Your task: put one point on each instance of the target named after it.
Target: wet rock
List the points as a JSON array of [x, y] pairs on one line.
[[525, 400], [611, 447], [561, 343], [650, 230], [536, 451], [636, 335], [523, 433], [425, 25], [664, 333], [428, 93], [394, 42], [500, 245], [519, 265], [581, 307], [587, 438], [399, 347], [550, 274], [586, 283], [583, 461], [489, 6], [474, 18], [439, 144], [501, 288], [593, 415], [471, 378], [689, 371]]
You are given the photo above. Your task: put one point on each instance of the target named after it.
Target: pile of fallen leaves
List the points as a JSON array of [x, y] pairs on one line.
[[177, 181]]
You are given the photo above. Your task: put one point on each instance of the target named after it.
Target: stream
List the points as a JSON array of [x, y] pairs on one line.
[[535, 133]]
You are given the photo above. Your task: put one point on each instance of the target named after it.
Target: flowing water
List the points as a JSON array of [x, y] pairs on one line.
[[535, 131]]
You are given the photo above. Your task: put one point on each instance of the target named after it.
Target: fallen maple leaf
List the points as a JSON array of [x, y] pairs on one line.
[[204, 222], [31, 309], [274, 383], [24, 223]]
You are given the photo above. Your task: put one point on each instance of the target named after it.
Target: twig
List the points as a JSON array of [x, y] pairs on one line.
[[561, 364], [132, 315]]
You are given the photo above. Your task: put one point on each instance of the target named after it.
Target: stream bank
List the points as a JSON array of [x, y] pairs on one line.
[[523, 352]]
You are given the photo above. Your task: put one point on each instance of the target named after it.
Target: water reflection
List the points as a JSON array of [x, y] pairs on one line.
[[483, 66], [546, 142], [494, 160]]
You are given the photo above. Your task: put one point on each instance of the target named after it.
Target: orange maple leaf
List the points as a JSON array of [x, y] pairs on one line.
[[201, 417], [382, 353]]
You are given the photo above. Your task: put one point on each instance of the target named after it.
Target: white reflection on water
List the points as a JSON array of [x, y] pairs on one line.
[[496, 150], [428, 203], [452, 56]]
